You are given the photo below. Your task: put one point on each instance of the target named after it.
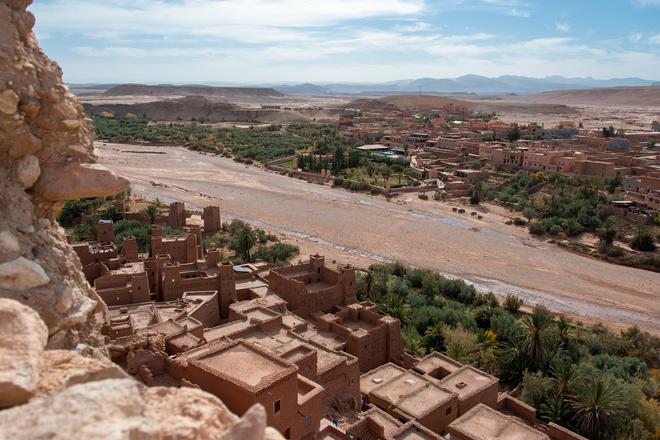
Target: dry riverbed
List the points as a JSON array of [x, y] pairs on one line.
[[362, 229]]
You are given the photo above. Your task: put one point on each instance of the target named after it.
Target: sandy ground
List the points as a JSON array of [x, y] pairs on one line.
[[362, 229]]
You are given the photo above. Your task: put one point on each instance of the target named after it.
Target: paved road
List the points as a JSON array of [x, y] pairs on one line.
[[486, 252]]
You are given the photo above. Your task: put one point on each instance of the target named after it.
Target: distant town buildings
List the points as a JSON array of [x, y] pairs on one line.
[[440, 145]]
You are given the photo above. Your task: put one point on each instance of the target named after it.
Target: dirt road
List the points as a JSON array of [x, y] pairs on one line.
[[487, 252]]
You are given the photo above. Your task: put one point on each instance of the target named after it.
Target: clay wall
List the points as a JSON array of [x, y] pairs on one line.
[[211, 217], [208, 313], [308, 414], [180, 249], [174, 285], [439, 418], [237, 398], [557, 432], [487, 396], [105, 232], [507, 403]]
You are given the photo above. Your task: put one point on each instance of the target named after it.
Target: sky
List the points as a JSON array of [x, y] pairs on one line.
[[324, 41]]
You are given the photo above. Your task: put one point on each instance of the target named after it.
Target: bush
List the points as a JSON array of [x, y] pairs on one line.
[[512, 303], [461, 211], [554, 230], [74, 209], [423, 196], [133, 228], [111, 213], [475, 198], [643, 241], [536, 228], [278, 253], [519, 221]]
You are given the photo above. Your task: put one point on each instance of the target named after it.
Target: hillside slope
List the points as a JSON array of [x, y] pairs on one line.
[[405, 102], [195, 107], [628, 96], [172, 90]]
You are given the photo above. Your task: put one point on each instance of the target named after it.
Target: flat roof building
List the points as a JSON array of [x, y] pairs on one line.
[[485, 423], [413, 397]]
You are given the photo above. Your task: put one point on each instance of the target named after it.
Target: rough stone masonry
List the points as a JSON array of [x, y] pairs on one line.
[[55, 378]]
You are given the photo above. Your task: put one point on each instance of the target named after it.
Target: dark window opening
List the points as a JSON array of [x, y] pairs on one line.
[[276, 406]]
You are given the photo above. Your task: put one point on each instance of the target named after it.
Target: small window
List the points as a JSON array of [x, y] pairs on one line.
[[308, 421], [448, 411], [276, 406]]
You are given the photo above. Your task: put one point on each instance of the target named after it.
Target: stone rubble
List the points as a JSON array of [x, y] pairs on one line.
[[23, 337]]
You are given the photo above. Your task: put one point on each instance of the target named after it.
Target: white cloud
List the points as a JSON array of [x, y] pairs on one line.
[[645, 3], [636, 37], [236, 19], [519, 13], [304, 40], [414, 27]]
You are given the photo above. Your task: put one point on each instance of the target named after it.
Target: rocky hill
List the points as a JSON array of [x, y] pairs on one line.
[[405, 102], [197, 107], [229, 93]]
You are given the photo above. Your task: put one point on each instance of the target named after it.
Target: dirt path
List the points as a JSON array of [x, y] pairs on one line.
[[362, 229]]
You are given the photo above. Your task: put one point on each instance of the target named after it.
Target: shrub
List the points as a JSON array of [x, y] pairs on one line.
[[474, 198], [74, 209], [423, 196], [454, 209], [278, 253], [643, 241], [461, 211], [519, 221], [512, 303], [536, 228], [554, 230], [473, 213]]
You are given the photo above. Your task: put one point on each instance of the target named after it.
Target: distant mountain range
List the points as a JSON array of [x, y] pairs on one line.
[[473, 84], [468, 84]]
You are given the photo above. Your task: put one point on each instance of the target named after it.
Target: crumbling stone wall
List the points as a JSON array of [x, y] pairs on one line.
[[46, 157], [53, 360]]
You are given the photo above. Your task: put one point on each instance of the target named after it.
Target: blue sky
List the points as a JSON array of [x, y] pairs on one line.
[[347, 40]]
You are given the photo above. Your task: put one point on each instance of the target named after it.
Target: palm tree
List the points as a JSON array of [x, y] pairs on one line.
[[368, 280], [152, 212], [537, 334], [412, 341], [564, 331], [554, 409], [596, 402], [564, 375]]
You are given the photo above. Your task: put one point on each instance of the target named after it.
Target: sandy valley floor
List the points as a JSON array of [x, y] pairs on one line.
[[361, 229]]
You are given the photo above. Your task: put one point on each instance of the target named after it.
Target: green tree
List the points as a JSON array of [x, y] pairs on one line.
[[242, 242], [512, 303], [513, 134], [643, 241], [537, 336], [151, 210], [596, 402]]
